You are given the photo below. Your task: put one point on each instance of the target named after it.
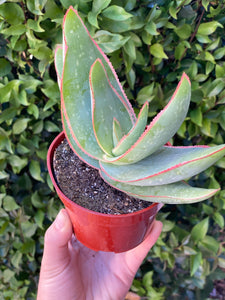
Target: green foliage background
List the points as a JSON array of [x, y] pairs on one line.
[[150, 43]]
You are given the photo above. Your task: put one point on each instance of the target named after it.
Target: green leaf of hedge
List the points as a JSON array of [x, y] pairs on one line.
[[219, 219], [34, 25], [14, 30], [219, 53], [9, 203], [196, 116], [17, 163], [20, 125], [195, 261], [130, 49], [16, 259], [3, 175], [28, 229], [183, 31], [116, 13], [5, 67], [97, 7], [173, 11], [221, 262], [199, 231], [110, 42], [39, 218], [35, 170], [145, 94], [210, 244], [35, 6], [151, 28], [12, 13], [209, 27], [157, 51]]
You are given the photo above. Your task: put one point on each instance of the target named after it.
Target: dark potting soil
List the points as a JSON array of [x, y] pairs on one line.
[[83, 185]]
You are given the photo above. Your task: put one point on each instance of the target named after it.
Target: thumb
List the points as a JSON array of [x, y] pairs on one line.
[[136, 256], [56, 253]]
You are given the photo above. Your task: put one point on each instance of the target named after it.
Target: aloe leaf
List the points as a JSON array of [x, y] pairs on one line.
[[174, 193], [87, 159], [80, 53], [117, 132], [128, 140], [167, 165], [92, 149], [59, 63], [162, 128], [106, 105]]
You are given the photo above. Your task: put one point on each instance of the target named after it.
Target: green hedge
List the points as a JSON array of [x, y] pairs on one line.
[[150, 43]]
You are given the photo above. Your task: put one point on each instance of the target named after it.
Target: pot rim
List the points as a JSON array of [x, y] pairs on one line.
[[57, 140]]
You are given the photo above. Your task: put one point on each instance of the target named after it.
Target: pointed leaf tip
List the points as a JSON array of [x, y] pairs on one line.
[[174, 193], [107, 105], [117, 132], [80, 42], [136, 131], [162, 127], [81, 53], [184, 75], [167, 165]]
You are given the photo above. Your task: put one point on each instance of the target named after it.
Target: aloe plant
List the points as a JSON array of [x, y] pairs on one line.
[[103, 130]]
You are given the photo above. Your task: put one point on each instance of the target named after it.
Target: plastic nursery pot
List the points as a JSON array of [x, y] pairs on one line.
[[102, 232]]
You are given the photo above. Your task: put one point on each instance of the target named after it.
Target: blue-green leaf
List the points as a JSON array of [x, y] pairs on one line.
[[131, 137], [172, 193], [107, 105], [162, 128], [81, 53], [167, 165]]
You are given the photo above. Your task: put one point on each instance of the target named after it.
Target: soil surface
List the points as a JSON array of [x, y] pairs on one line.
[[83, 185]]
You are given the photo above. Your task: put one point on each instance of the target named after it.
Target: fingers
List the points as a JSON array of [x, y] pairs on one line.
[[56, 257], [150, 240], [56, 252], [136, 256]]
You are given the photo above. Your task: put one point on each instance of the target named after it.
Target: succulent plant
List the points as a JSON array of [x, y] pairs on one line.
[[103, 130]]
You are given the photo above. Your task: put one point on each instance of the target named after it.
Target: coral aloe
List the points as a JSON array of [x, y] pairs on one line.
[[102, 129]]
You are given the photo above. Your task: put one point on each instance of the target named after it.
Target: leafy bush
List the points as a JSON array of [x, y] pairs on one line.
[[150, 43]]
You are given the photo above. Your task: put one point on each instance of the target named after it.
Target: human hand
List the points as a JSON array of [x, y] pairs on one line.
[[71, 271]]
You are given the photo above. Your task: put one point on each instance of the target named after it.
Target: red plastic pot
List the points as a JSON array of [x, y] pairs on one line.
[[102, 232]]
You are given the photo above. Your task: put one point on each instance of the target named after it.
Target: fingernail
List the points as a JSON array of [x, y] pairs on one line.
[[60, 220]]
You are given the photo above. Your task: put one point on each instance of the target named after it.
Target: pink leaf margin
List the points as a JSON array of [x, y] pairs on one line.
[[132, 129], [64, 113], [210, 194], [60, 80], [130, 108], [71, 146], [169, 169], [118, 123], [63, 109], [184, 76], [57, 72], [98, 60]]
